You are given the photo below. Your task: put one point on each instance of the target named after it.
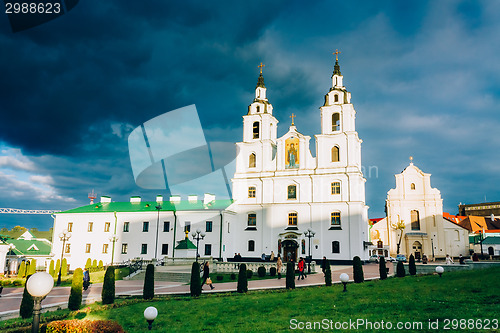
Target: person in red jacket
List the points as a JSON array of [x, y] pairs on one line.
[[301, 267]]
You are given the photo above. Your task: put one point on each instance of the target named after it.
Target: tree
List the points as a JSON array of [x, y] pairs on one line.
[[400, 269], [261, 271], [242, 279], [328, 274], [32, 269], [27, 303], [149, 282], [88, 264], [382, 269], [75, 297], [58, 267], [399, 226], [195, 286], [22, 270], [290, 275], [357, 270], [51, 268], [108, 288], [64, 268], [412, 268]]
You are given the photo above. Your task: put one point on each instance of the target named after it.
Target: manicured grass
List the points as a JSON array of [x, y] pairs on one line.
[[459, 295]]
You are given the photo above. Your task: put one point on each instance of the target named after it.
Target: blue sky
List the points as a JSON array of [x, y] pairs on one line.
[[424, 78]]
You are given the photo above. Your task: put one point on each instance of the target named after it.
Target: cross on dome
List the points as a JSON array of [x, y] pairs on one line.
[[261, 65], [292, 116], [337, 52]]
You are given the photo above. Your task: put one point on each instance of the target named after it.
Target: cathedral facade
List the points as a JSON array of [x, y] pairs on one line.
[[282, 192]]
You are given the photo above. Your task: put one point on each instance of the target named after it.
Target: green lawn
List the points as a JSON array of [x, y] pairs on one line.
[[465, 295], [461, 295]]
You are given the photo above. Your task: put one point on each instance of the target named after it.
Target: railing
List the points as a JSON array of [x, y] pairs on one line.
[[233, 267]]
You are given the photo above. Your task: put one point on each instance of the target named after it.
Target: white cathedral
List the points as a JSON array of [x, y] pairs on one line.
[[280, 192]]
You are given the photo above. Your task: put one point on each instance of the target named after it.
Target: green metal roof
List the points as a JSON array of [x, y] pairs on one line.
[[149, 206], [491, 240], [30, 247], [185, 244]]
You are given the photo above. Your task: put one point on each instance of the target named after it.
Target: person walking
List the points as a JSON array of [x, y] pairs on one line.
[[449, 261], [206, 276], [86, 279], [272, 256], [323, 266], [300, 266], [279, 264], [461, 260]]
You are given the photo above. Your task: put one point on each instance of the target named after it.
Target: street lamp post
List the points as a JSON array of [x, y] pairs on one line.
[[158, 208], [432, 244], [197, 235], [38, 286], [150, 314], [113, 239], [309, 234], [64, 237], [344, 278]]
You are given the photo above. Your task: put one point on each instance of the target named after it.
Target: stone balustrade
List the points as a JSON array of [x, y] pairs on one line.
[[233, 267]]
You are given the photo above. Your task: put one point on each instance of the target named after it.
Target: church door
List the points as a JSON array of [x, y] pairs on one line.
[[289, 250], [417, 248]]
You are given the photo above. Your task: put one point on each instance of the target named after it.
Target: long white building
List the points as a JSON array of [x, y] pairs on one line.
[[280, 190]]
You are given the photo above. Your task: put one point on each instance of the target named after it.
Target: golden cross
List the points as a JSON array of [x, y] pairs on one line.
[[261, 65], [411, 159], [292, 116], [336, 54], [187, 233]]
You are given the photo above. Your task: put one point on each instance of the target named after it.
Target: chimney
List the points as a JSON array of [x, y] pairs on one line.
[[208, 198], [105, 199], [175, 198], [135, 199]]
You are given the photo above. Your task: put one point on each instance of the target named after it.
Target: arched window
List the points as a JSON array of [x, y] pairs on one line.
[[336, 121], [412, 186], [335, 219], [258, 109], [252, 220], [336, 188], [292, 192], [415, 220], [335, 247], [335, 98], [251, 192], [335, 154], [251, 245], [256, 130], [292, 219], [251, 160]]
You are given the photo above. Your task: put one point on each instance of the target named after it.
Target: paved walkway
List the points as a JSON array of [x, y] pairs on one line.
[[10, 299]]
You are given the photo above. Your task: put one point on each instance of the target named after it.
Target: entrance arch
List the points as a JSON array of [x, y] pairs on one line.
[[290, 247], [491, 251], [417, 249]]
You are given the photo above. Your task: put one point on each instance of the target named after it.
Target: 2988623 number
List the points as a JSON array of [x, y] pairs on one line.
[[470, 324], [32, 8]]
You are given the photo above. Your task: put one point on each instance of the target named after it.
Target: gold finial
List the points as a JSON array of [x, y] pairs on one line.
[[261, 65], [337, 52], [411, 159], [292, 116], [187, 233]]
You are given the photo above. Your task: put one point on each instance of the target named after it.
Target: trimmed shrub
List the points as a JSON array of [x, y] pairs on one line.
[[64, 267], [233, 276], [51, 268], [88, 264], [328, 274], [75, 297], [58, 267], [195, 287], [412, 268], [75, 325], [290, 275], [32, 269], [272, 271], [249, 273], [101, 265], [400, 269], [220, 277], [22, 270], [94, 265], [108, 288], [27, 303], [149, 282], [261, 271], [242, 279], [357, 270], [382, 269]]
